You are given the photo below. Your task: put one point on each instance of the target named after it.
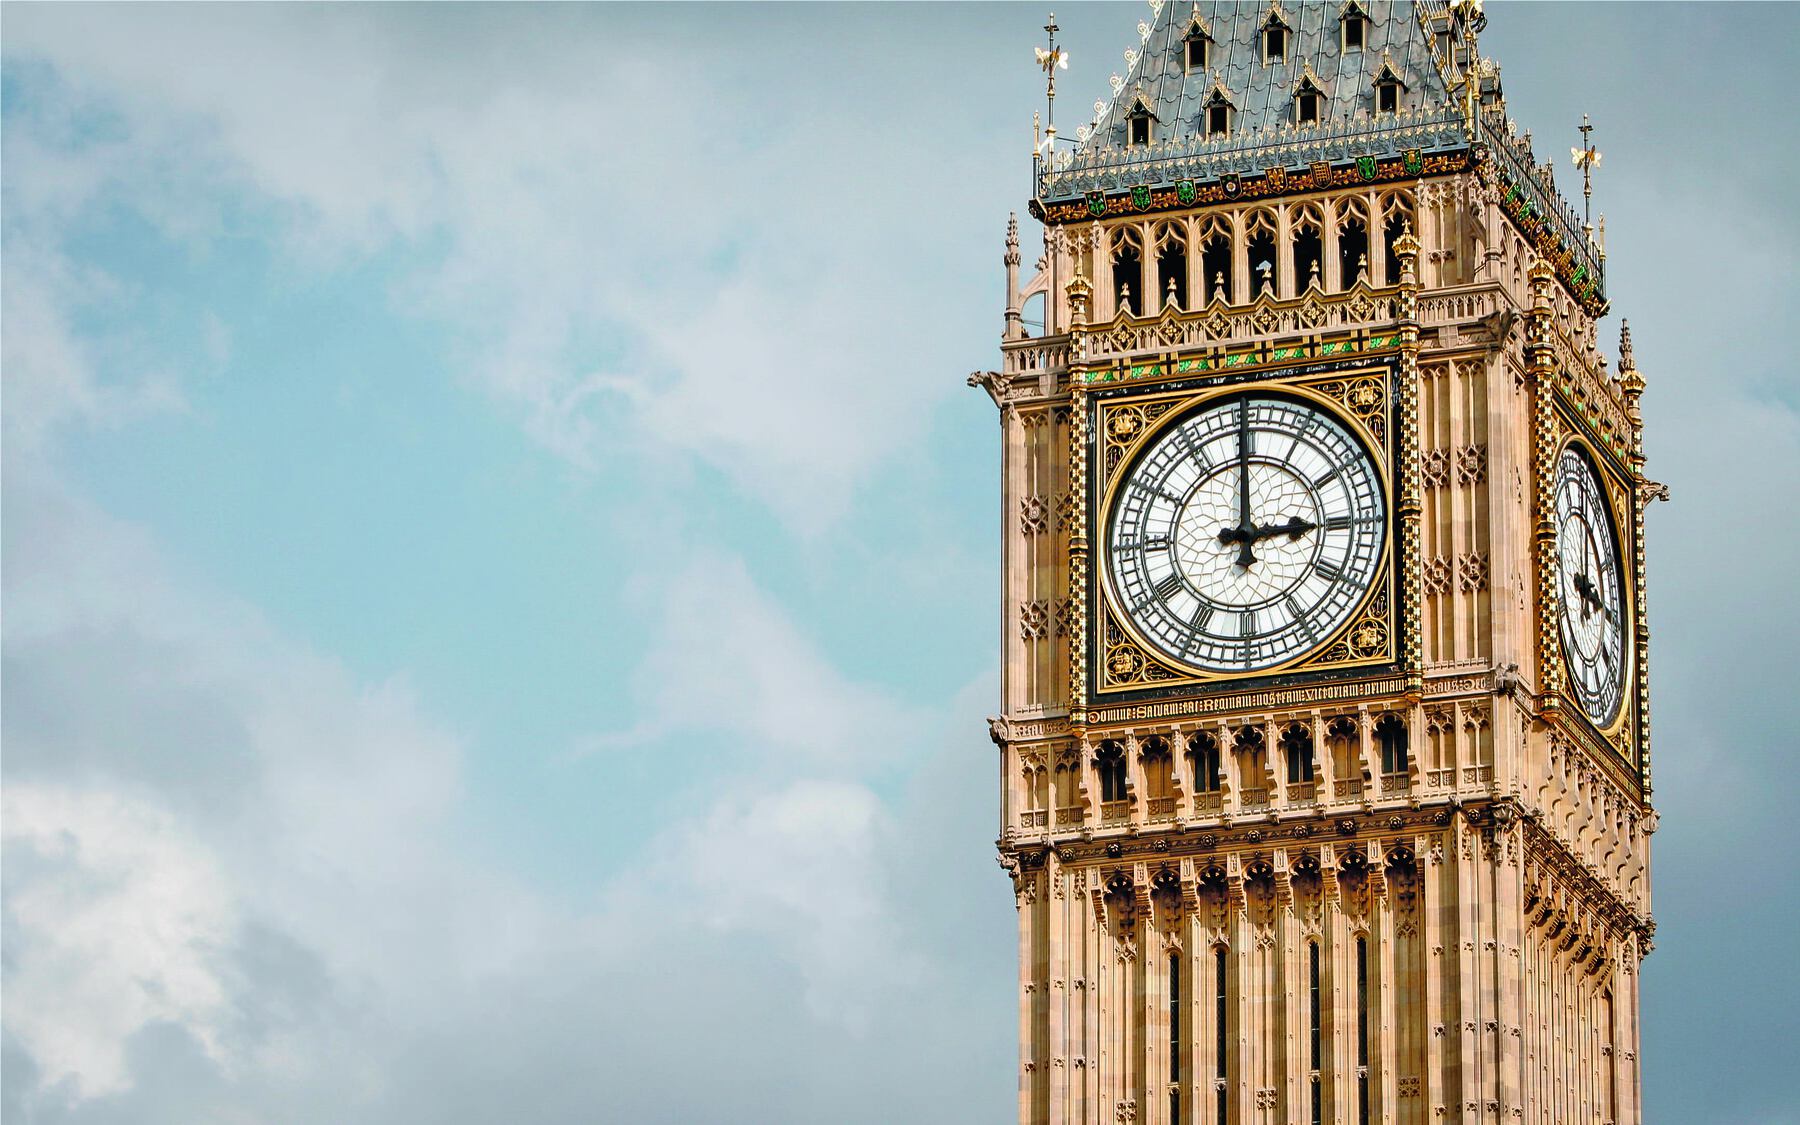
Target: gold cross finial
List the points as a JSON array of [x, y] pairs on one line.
[[1051, 59], [1587, 158]]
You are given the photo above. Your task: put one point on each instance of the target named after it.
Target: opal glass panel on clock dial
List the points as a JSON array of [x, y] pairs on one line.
[[1245, 533], [1591, 613]]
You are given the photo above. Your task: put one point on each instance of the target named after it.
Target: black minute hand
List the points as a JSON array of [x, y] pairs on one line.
[[1244, 534]]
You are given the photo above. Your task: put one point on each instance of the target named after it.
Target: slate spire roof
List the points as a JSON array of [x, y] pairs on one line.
[[1263, 92], [1263, 126], [1412, 43]]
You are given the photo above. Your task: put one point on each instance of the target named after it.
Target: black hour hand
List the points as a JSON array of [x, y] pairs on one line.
[[1590, 594], [1294, 528], [1243, 535]]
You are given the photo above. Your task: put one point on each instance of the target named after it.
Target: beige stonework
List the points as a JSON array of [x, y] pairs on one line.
[[1478, 913]]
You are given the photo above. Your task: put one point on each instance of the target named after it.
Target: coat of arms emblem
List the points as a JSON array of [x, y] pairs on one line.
[[1414, 161], [1365, 167], [1140, 196], [1096, 204]]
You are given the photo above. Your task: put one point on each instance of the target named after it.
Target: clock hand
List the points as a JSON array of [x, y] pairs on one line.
[[1294, 528], [1246, 528], [1591, 595]]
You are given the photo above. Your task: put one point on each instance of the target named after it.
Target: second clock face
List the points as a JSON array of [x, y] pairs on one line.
[[1591, 614], [1245, 533]]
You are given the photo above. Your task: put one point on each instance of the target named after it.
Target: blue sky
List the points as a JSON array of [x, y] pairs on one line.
[[500, 561]]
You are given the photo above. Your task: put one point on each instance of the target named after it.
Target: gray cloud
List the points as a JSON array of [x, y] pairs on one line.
[[281, 913]]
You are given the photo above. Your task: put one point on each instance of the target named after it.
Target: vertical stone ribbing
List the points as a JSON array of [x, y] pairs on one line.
[[1409, 509], [1539, 359]]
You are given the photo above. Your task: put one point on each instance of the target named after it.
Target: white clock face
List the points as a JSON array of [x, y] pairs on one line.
[[1245, 533], [1590, 589]]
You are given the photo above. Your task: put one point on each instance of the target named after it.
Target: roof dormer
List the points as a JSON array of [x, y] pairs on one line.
[[1140, 122], [1197, 44], [1275, 33], [1217, 110], [1388, 86], [1309, 97], [1353, 26]]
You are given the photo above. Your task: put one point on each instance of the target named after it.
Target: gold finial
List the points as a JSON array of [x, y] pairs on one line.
[[1051, 59], [1587, 158], [1626, 361]]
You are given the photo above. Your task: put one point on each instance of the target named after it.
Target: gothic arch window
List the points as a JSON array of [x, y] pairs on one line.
[[1037, 788], [1353, 27], [1307, 246], [1265, 261], [1275, 31], [1066, 781], [1353, 242], [1203, 755], [1297, 751], [1197, 46], [1215, 259], [1159, 779], [1128, 268], [1388, 87], [1249, 744], [1397, 212], [1390, 735], [1171, 265], [1387, 97], [1309, 102], [1217, 110], [1140, 124], [1109, 763]]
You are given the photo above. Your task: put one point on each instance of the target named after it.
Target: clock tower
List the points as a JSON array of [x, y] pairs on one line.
[[1324, 738]]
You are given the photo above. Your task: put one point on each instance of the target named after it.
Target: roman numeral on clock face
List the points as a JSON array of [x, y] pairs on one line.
[[1250, 474]]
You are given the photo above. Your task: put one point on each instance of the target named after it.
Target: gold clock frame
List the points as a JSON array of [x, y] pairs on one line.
[[1614, 498], [1360, 398]]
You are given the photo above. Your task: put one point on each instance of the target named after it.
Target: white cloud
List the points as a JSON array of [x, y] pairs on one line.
[[726, 661], [115, 919], [243, 886], [698, 243]]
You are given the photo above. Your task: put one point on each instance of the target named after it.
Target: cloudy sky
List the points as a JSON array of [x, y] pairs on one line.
[[500, 562]]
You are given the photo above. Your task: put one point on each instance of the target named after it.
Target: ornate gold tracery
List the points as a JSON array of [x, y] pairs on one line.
[[1361, 400]]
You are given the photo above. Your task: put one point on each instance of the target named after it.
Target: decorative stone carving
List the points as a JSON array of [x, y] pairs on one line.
[[1437, 576], [1471, 464], [1434, 468], [1472, 572], [1034, 515]]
